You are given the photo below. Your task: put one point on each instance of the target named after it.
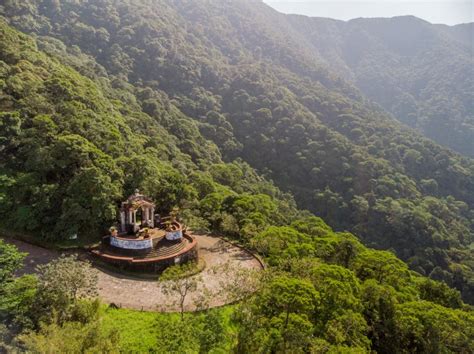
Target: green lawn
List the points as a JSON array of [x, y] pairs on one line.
[[138, 328]]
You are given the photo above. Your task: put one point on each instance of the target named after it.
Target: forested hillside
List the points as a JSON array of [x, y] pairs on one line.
[[422, 73], [176, 98], [71, 149], [250, 82]]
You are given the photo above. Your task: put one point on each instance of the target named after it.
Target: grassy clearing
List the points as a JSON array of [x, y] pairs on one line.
[[138, 329]]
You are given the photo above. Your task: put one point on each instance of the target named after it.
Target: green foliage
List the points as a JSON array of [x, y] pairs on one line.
[[203, 333], [423, 78], [17, 302], [379, 309], [62, 283], [349, 330], [382, 266], [280, 243], [371, 302], [210, 331], [10, 261], [114, 95], [258, 96], [339, 289], [17, 294], [428, 328], [439, 293], [144, 325], [72, 337], [280, 318], [73, 147], [172, 336]]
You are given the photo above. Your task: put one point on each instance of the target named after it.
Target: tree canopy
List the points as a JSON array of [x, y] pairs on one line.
[[231, 112], [245, 77]]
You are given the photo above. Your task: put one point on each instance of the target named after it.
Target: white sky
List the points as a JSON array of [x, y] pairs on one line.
[[435, 11]]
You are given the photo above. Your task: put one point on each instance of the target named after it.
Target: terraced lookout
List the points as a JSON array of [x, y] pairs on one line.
[[146, 241]]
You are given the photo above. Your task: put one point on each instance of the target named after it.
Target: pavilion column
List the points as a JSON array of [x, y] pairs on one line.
[[122, 221], [152, 217], [130, 217]]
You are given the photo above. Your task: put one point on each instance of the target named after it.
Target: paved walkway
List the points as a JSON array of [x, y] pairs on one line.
[[130, 292]]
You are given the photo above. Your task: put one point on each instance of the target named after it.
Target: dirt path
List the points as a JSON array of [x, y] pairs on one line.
[[36, 255], [129, 292]]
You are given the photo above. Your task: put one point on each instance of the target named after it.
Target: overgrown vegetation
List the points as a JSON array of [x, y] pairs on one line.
[[326, 292], [187, 100], [239, 74], [421, 73], [71, 150], [323, 292]]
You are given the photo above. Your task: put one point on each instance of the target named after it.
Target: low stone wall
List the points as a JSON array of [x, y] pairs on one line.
[[151, 264]]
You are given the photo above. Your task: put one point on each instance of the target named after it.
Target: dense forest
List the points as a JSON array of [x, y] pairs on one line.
[[422, 73], [236, 69], [216, 108], [323, 292]]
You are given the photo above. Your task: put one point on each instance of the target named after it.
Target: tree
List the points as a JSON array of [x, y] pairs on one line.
[[211, 331], [17, 295], [289, 117], [18, 301], [10, 261], [279, 318], [237, 284], [72, 337], [281, 243], [10, 128], [339, 291], [382, 266], [176, 283], [439, 293], [176, 336], [348, 329], [61, 284], [426, 328], [379, 311]]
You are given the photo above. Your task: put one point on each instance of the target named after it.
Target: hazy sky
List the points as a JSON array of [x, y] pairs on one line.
[[436, 11]]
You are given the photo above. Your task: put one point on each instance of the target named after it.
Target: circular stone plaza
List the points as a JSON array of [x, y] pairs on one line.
[[146, 243]]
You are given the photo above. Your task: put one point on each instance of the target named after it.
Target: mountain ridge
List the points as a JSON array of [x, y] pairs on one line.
[[414, 77]]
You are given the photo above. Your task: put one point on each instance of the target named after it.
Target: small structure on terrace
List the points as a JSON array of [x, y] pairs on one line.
[[144, 241], [137, 212]]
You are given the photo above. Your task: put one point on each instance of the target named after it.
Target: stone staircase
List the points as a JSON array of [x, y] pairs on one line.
[[164, 248]]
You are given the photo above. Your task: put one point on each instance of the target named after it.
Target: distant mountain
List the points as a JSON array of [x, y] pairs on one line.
[[422, 73], [287, 95]]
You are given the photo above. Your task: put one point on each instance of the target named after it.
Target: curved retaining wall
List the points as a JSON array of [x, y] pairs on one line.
[[153, 264], [131, 244]]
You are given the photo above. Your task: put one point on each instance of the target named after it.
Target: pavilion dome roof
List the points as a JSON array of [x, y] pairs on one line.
[[137, 200]]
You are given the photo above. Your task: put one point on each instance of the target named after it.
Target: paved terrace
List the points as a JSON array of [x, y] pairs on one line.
[[135, 293]]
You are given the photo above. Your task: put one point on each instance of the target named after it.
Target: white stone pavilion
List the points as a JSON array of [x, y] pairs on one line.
[[136, 213]]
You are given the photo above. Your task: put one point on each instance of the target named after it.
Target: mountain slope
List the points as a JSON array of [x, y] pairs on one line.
[[422, 73], [256, 88], [75, 140], [72, 148]]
